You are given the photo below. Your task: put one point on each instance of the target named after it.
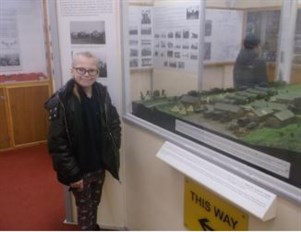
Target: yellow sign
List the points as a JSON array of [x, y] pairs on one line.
[[204, 210]]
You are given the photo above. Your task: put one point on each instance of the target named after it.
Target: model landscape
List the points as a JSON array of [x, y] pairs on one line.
[[261, 116]]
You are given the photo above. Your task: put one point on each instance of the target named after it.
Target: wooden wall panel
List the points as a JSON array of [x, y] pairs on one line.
[[4, 132], [296, 74], [29, 118]]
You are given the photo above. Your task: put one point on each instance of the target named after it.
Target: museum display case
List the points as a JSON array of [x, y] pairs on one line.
[[181, 57], [25, 72]]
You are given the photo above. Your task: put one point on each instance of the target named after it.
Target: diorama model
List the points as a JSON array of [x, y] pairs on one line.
[[260, 117]]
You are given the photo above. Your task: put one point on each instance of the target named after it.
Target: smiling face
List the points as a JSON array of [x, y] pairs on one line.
[[85, 70]]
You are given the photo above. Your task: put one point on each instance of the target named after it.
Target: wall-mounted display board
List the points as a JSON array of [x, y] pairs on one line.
[[89, 25], [176, 37], [223, 35], [21, 28], [141, 37], [168, 37]]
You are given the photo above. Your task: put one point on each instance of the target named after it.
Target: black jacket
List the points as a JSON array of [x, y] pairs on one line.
[[63, 136], [249, 70]]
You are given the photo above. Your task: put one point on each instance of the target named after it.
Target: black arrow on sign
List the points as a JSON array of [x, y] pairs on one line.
[[204, 224]]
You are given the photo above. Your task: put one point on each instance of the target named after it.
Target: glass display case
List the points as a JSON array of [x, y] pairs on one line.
[[23, 26], [183, 57], [25, 72]]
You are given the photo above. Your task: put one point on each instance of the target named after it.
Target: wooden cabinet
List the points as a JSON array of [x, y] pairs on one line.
[[4, 133], [23, 117], [296, 74]]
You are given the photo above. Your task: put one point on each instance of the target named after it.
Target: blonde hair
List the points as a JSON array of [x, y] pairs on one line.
[[75, 92], [86, 54]]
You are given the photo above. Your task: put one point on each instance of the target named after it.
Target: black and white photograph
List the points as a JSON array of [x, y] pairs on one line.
[[185, 46], [194, 35], [8, 60], [146, 62], [192, 12], [186, 33], [9, 41], [194, 56], [181, 65], [208, 27], [146, 16], [146, 31], [170, 53], [172, 64], [185, 55], [87, 32], [170, 35], [147, 51], [133, 31], [177, 54], [134, 42], [133, 52], [146, 42], [178, 46], [134, 63], [170, 45], [194, 46], [207, 52], [178, 34]]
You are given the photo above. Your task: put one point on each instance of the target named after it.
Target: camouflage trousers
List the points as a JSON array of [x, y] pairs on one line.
[[88, 199]]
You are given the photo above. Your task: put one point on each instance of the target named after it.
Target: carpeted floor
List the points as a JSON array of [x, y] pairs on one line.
[[30, 196]]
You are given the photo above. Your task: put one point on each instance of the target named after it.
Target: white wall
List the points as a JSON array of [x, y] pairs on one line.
[[177, 83], [154, 191]]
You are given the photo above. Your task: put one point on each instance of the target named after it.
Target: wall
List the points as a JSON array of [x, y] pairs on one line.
[[154, 191], [214, 76]]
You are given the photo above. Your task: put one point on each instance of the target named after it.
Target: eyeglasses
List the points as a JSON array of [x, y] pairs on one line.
[[83, 71]]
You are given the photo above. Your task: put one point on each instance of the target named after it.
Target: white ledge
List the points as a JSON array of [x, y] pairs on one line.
[[246, 195]]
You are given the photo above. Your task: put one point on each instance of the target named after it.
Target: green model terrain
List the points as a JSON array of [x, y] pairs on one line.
[[286, 137]]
